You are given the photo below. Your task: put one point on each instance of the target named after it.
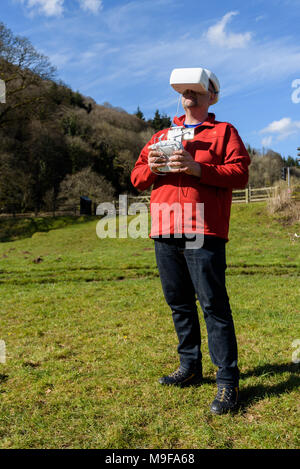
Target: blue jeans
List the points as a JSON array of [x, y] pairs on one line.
[[185, 274]]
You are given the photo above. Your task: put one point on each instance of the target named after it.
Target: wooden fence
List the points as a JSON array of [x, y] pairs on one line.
[[253, 194], [242, 195], [247, 195]]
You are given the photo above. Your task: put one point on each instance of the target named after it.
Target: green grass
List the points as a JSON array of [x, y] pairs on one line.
[[88, 334], [18, 228]]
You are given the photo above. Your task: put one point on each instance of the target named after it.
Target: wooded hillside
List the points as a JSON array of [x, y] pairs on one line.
[[57, 144]]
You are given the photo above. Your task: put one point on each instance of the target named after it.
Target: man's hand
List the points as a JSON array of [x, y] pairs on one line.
[[182, 162], [156, 160]]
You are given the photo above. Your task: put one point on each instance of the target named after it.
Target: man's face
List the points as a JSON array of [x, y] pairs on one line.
[[192, 99]]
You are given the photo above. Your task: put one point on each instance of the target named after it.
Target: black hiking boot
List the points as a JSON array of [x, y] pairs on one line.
[[226, 399], [182, 377]]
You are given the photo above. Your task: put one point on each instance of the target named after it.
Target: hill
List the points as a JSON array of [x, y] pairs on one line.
[[57, 144], [56, 132], [49, 132]]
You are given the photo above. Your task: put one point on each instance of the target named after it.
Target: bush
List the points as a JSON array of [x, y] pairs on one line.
[[284, 203], [85, 183]]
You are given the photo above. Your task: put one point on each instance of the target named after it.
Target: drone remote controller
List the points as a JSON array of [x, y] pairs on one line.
[[167, 147]]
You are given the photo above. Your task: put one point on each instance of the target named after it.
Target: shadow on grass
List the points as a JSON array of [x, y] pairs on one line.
[[3, 379], [19, 228], [251, 394]]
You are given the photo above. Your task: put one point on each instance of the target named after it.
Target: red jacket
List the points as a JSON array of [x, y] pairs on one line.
[[224, 163]]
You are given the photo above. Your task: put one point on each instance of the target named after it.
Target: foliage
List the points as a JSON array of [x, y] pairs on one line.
[[265, 169], [22, 69], [160, 122], [85, 183], [291, 162], [285, 203], [139, 114], [48, 131]]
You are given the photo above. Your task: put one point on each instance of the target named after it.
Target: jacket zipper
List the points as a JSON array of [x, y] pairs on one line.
[[179, 187], [179, 201]]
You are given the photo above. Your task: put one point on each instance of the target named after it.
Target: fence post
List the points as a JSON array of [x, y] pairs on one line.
[[247, 195]]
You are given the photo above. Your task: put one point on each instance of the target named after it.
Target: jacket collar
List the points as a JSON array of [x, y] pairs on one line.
[[209, 122]]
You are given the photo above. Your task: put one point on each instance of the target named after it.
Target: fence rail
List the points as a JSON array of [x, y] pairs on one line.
[[241, 195], [247, 195], [72, 211], [250, 194]]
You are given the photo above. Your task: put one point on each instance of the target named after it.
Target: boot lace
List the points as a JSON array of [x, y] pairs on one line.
[[226, 393], [177, 373]]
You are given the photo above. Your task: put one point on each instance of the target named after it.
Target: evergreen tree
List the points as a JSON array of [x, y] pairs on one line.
[[160, 122], [289, 161], [139, 114]]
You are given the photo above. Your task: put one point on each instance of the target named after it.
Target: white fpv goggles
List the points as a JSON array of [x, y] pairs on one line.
[[196, 79]]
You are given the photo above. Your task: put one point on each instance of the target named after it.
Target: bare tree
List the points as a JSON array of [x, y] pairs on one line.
[[85, 183], [22, 69], [265, 170]]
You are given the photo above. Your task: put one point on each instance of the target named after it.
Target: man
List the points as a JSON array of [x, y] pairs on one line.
[[211, 163]]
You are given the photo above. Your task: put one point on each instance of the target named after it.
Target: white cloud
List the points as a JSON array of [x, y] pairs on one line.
[[282, 128], [91, 5], [266, 142], [56, 7], [217, 35], [260, 18], [46, 7], [239, 70], [61, 58], [110, 60]]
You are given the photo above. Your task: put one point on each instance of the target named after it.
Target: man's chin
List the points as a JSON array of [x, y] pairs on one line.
[[190, 105]]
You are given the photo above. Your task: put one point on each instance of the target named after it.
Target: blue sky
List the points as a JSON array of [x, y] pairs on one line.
[[123, 52]]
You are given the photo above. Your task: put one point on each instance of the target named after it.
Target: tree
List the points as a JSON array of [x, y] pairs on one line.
[[139, 114], [85, 183], [251, 150], [265, 170], [13, 184], [160, 122], [45, 158], [289, 161], [22, 69]]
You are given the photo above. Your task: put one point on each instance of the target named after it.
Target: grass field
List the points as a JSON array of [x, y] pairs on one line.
[[88, 334]]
